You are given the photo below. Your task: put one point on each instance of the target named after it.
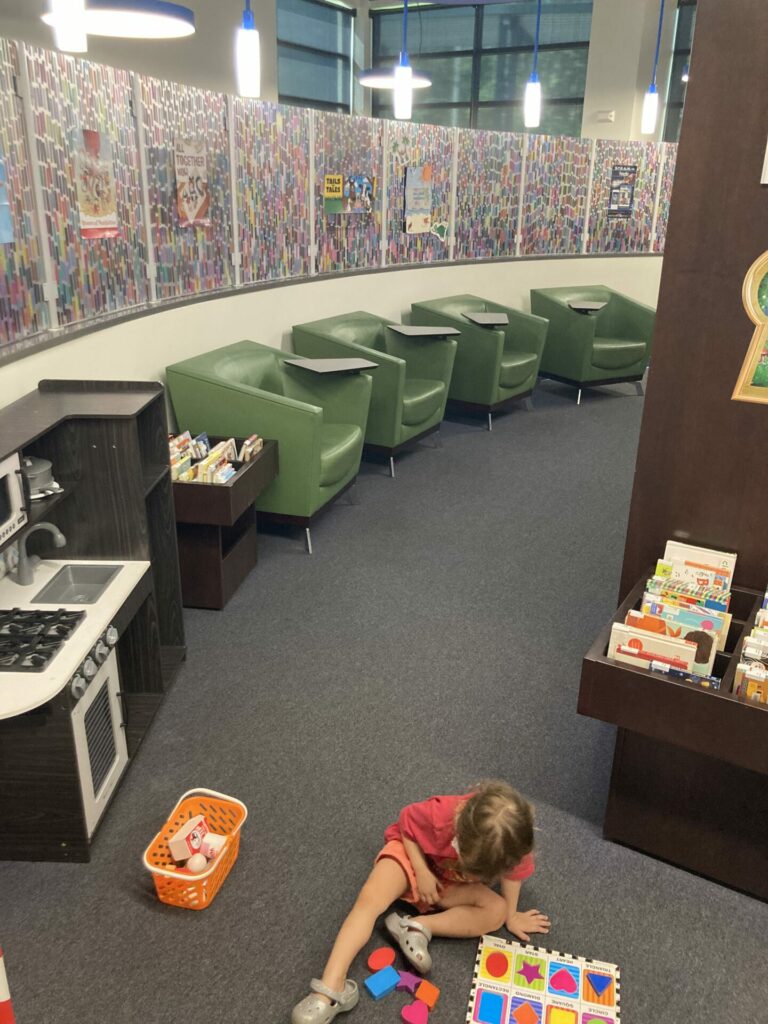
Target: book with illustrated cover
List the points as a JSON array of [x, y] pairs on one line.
[[701, 564], [689, 615], [680, 592], [639, 647], [704, 639]]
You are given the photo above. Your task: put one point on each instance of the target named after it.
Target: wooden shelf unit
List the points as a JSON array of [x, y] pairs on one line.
[[688, 781]]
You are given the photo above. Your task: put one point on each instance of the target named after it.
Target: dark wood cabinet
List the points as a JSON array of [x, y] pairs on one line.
[[216, 527]]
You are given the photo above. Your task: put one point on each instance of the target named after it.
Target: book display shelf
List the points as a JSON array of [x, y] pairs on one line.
[[216, 529], [671, 731]]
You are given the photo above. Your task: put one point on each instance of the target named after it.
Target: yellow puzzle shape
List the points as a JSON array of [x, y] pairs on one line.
[[495, 973], [752, 384], [559, 1015]]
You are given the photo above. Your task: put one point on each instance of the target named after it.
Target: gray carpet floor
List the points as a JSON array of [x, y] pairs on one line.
[[434, 638]]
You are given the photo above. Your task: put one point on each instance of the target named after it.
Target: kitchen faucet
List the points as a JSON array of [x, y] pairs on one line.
[[25, 569]]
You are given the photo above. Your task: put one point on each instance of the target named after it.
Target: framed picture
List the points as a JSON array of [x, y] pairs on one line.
[[752, 385]]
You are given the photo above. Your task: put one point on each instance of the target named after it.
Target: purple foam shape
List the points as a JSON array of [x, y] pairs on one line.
[[408, 982]]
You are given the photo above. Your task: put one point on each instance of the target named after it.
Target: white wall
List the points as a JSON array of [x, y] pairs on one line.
[[140, 349], [622, 45]]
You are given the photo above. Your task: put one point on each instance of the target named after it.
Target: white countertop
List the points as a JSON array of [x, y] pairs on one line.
[[23, 691]]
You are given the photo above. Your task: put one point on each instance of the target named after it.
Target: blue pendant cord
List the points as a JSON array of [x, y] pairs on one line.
[[658, 45], [404, 47], [534, 76], [248, 21]]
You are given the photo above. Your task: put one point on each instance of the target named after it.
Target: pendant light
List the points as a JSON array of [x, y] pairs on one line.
[[532, 98], [67, 18], [402, 78], [651, 101], [248, 56], [129, 19]]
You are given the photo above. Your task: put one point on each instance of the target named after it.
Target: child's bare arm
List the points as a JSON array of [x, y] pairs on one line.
[[524, 923], [426, 882]]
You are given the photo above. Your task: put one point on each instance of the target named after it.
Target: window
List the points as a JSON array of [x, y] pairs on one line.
[[480, 57], [681, 56], [314, 51]]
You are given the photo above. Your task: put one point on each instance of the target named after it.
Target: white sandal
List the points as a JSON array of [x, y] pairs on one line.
[[412, 938], [312, 1010]]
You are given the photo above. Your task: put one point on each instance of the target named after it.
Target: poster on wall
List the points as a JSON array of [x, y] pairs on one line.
[[622, 193], [6, 222], [193, 199], [752, 383], [96, 193], [348, 193], [418, 200]]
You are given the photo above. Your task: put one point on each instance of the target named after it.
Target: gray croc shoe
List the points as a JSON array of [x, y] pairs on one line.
[[412, 938], [312, 1010]]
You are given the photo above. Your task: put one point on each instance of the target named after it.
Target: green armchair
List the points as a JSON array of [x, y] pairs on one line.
[[410, 384], [493, 366], [318, 421], [587, 350]]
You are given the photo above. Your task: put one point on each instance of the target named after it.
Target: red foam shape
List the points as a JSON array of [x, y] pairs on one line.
[[380, 958], [415, 1013], [497, 965]]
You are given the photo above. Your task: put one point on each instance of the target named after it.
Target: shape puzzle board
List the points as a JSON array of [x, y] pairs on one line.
[[516, 983]]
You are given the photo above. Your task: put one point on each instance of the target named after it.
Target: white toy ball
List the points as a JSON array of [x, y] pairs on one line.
[[197, 863]]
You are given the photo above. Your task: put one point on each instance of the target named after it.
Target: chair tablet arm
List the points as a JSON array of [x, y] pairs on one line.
[[427, 358], [526, 332]]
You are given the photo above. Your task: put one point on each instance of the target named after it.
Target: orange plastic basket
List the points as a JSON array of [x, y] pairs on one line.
[[225, 816]]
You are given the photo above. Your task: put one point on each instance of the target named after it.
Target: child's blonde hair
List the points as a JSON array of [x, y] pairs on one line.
[[494, 830]]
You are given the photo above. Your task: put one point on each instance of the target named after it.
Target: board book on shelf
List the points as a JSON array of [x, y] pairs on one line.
[[705, 640], [751, 678], [640, 648], [518, 983]]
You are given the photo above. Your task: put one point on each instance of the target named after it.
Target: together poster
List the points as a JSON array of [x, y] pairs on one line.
[[418, 199], [6, 222], [193, 198], [622, 194], [96, 193]]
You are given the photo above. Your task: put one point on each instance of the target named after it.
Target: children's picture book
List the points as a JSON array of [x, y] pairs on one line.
[[704, 566], [639, 647], [689, 615], [518, 983], [704, 639], [683, 593]]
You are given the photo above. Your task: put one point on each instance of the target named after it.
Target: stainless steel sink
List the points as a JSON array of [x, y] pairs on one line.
[[77, 584]]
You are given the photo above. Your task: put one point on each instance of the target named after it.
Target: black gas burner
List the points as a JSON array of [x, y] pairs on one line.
[[29, 640]]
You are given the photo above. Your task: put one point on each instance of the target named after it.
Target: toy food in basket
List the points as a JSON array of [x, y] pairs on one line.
[[224, 816]]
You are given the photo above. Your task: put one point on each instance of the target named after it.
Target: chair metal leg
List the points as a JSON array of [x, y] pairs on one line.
[[392, 467], [490, 421], [308, 539], [578, 399], [352, 498], [639, 387], [529, 403]]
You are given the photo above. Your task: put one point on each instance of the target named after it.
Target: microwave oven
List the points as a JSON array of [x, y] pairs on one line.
[[13, 497]]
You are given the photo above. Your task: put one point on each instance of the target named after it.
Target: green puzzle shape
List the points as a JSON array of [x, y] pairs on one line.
[[527, 979]]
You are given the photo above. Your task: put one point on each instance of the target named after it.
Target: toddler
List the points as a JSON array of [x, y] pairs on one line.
[[441, 855]]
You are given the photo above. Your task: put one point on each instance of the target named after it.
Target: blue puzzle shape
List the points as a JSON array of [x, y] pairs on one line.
[[490, 1008], [599, 982], [382, 982]]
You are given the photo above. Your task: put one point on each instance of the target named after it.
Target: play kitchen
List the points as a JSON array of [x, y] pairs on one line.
[[90, 612]]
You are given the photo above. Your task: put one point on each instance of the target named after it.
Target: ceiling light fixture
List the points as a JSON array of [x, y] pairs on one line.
[[131, 19], [67, 18], [651, 101], [686, 73], [532, 98], [248, 56], [402, 78]]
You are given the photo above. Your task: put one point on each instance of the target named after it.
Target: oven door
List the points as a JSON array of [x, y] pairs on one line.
[[99, 733]]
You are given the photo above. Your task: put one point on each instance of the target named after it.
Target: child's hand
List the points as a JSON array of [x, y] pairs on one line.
[[428, 886], [525, 923]]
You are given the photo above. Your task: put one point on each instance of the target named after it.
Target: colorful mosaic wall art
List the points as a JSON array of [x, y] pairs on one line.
[[487, 194], [197, 258], [23, 310], [417, 145], [95, 276], [669, 157], [555, 200], [623, 234], [347, 145], [272, 174]]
